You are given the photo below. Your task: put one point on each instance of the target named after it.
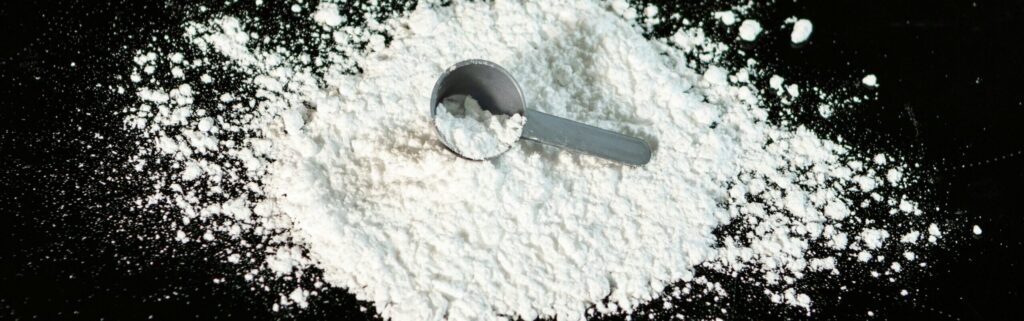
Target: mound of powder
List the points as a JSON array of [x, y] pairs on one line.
[[474, 132], [343, 171]]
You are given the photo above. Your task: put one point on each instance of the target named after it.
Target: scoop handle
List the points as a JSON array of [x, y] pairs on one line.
[[586, 139]]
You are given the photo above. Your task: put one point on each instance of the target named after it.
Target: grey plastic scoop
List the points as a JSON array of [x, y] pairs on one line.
[[499, 93]]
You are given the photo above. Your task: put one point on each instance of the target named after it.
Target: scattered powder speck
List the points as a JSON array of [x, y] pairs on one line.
[[880, 159], [870, 80], [873, 238], [327, 14], [894, 176], [749, 30], [802, 29], [728, 18], [910, 237], [793, 90], [934, 233], [326, 159], [910, 256], [775, 82], [976, 230]]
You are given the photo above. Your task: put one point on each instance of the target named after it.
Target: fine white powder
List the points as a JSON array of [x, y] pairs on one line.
[[976, 230], [749, 30], [473, 132], [343, 171], [801, 31]]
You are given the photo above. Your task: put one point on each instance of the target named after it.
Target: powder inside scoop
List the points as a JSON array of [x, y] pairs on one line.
[[473, 132]]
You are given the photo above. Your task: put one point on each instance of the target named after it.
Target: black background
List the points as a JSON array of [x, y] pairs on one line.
[[950, 100]]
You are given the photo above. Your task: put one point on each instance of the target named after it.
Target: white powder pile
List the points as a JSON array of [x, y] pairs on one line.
[[474, 132], [343, 170]]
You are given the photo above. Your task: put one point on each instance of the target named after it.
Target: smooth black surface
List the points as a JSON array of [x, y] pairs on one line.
[[950, 99]]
